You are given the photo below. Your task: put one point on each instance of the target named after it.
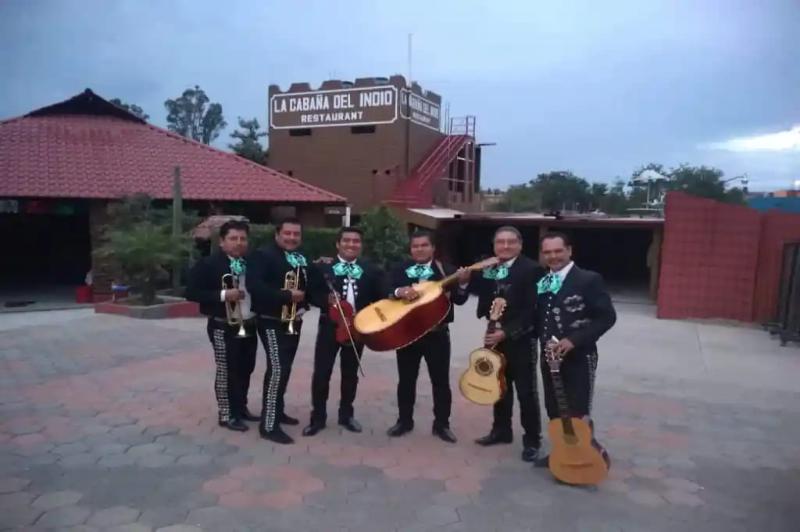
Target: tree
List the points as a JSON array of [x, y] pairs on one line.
[[615, 201], [248, 145], [562, 190], [131, 108], [140, 246], [520, 198], [190, 116], [384, 236], [598, 192], [705, 182]]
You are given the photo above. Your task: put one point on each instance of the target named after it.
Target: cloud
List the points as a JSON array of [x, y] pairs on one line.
[[782, 141]]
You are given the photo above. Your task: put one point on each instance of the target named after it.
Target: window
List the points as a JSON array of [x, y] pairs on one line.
[[303, 132], [362, 130]]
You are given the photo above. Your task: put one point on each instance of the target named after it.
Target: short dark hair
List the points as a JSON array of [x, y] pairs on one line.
[[235, 225], [549, 235], [291, 220], [348, 229], [510, 229], [421, 233]]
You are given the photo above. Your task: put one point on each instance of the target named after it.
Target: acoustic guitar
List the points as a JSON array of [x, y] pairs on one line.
[[576, 457], [391, 324], [484, 381]]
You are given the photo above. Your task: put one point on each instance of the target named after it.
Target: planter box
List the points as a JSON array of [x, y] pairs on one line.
[[171, 307]]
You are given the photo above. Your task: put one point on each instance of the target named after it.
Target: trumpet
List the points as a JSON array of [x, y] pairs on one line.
[[233, 309], [289, 312]]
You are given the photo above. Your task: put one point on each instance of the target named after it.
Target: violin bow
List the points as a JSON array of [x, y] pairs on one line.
[[338, 306]]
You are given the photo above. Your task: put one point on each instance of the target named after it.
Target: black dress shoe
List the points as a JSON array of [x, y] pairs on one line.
[[249, 416], [493, 438], [288, 420], [400, 428], [542, 461], [313, 428], [445, 434], [277, 435], [234, 424], [351, 424], [530, 454]]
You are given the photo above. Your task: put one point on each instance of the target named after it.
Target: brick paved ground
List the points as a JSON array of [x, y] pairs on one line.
[[108, 423]]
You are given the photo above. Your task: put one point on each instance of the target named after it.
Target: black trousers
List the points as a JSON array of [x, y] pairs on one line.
[[235, 358], [434, 347], [577, 375], [325, 352], [521, 355], [280, 348]]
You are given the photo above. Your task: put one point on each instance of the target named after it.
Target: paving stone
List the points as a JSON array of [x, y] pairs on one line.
[[180, 528], [57, 499], [117, 460], [19, 516], [117, 515], [155, 460], [106, 449], [132, 527], [78, 460], [211, 517], [70, 448], [12, 484], [64, 516], [146, 449], [194, 460], [683, 498], [18, 498], [163, 516]]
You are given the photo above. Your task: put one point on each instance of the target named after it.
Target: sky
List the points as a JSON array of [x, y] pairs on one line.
[[598, 88]]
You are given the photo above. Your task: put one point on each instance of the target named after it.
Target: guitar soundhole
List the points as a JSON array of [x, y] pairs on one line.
[[484, 367]]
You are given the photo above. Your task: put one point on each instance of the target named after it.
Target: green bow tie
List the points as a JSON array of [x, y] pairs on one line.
[[238, 266], [496, 273], [549, 283], [351, 270], [423, 272], [295, 259]]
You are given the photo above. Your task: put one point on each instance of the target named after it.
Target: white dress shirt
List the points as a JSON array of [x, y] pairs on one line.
[[562, 273], [350, 295], [247, 313]]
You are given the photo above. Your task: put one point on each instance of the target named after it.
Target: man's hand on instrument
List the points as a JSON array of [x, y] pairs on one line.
[[234, 294], [298, 296], [563, 346], [331, 299], [494, 338], [463, 275], [407, 293]]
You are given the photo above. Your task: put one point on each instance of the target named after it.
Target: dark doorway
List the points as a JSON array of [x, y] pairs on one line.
[[43, 251]]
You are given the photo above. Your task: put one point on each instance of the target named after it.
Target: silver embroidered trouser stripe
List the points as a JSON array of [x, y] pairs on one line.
[[221, 377], [591, 359], [271, 395]]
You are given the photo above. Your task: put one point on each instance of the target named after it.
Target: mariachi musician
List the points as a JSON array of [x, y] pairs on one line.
[[514, 279], [340, 288], [434, 347], [574, 311], [217, 283], [277, 281]]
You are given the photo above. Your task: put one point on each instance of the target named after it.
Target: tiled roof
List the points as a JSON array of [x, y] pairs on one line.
[[82, 148]]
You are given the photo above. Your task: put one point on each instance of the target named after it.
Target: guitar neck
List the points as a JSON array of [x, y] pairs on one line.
[[561, 400], [450, 279]]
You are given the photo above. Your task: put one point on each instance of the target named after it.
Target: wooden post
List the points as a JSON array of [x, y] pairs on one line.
[[177, 223]]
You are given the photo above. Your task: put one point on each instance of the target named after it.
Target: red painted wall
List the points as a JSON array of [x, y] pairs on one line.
[[721, 261]]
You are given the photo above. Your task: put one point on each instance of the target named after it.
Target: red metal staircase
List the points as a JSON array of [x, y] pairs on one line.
[[417, 189]]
